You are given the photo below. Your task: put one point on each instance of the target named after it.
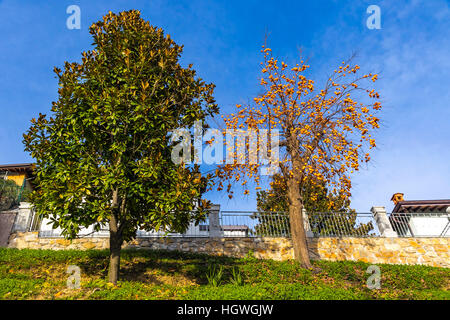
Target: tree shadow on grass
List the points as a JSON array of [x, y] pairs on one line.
[[158, 266]]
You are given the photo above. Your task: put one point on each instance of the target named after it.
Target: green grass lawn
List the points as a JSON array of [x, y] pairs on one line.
[[41, 274]]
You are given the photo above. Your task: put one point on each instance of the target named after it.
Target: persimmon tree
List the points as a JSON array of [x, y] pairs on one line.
[[104, 155], [325, 134]]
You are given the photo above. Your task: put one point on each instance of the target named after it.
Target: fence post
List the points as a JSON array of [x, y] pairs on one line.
[[214, 222], [380, 216], [306, 224], [23, 217]]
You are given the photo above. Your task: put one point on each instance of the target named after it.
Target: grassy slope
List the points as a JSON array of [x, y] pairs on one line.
[[41, 274]]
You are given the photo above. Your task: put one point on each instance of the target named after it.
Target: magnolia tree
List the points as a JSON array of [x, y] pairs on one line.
[[104, 156], [324, 135]]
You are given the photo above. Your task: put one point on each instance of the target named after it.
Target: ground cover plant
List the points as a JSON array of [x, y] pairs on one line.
[[156, 274]]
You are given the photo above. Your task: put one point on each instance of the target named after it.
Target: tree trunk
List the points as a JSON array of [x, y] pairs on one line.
[[114, 262], [115, 242], [115, 245], [298, 233]]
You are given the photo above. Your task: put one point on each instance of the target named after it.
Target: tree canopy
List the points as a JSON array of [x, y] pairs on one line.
[[325, 133], [104, 154]]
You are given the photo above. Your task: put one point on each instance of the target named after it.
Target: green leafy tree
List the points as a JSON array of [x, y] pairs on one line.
[[104, 156], [328, 214], [9, 194]]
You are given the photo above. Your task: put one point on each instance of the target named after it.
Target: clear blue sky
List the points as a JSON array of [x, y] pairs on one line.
[[222, 39]]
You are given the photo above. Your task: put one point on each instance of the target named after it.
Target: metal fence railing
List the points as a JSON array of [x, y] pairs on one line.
[[343, 224], [277, 224], [423, 224], [254, 224]]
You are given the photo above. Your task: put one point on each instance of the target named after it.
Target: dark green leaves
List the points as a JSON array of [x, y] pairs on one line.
[[109, 130]]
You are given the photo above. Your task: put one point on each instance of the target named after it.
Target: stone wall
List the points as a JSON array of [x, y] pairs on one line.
[[428, 251]]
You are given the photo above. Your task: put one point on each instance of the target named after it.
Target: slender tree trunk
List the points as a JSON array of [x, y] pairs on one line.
[[295, 200], [114, 262], [298, 233], [114, 258], [115, 242]]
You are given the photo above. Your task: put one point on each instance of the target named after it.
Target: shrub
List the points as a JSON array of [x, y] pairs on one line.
[[214, 275]]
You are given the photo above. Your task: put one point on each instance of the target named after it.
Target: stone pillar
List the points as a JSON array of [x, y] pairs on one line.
[[380, 216], [23, 217], [306, 224], [214, 222]]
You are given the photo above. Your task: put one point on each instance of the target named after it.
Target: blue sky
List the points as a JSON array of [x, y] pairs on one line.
[[223, 39]]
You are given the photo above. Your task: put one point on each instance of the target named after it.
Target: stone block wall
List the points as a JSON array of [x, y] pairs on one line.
[[428, 251]]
